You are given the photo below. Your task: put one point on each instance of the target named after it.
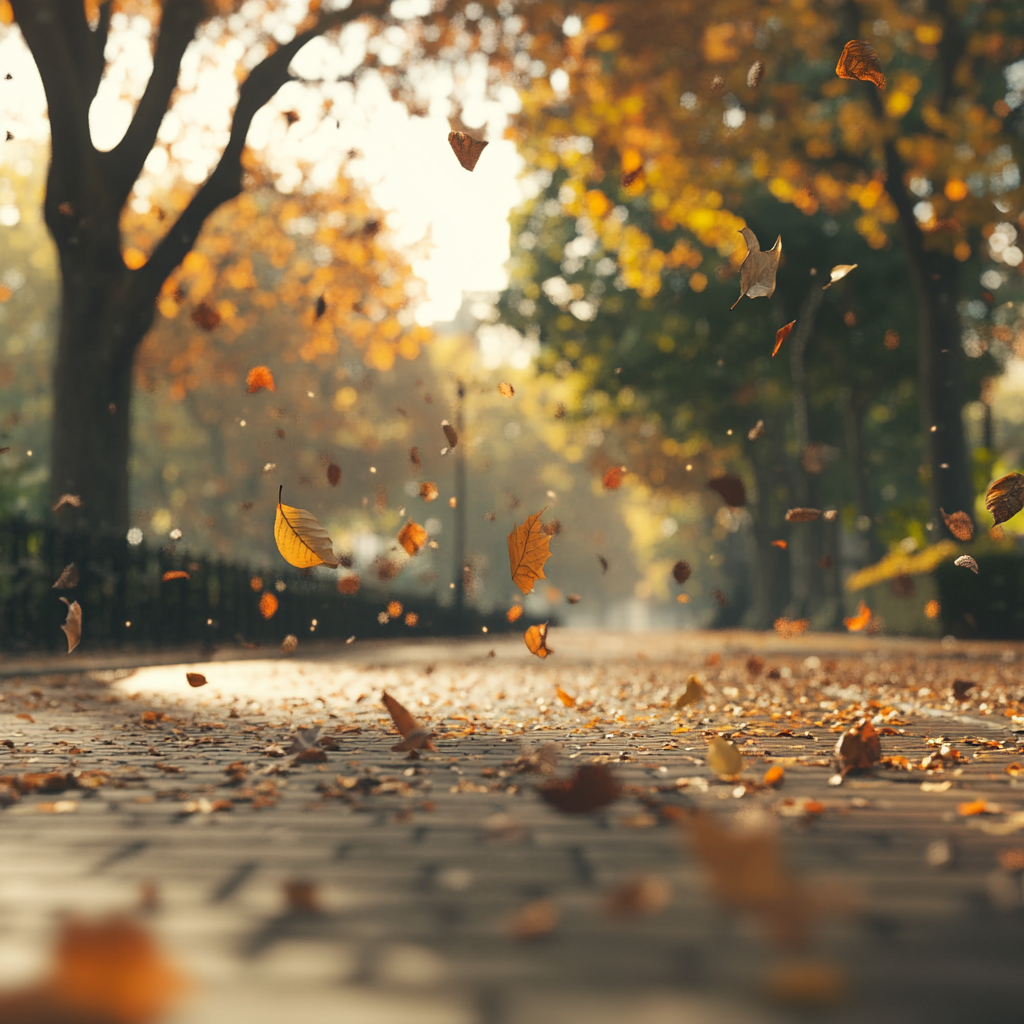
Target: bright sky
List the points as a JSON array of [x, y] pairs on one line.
[[406, 161]]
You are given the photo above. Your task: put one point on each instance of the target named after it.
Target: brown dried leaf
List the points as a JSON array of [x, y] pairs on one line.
[[639, 897], [838, 272], [205, 316], [802, 515], [754, 74], [428, 491], [528, 550], [967, 562], [859, 747], [589, 788], [68, 579], [731, 489], [960, 689], [334, 474], [757, 430], [613, 478], [534, 921], [694, 692], [467, 150], [536, 638], [196, 679], [959, 524], [412, 537], [73, 624], [758, 269], [681, 571], [414, 735], [780, 336], [450, 434], [66, 499], [860, 61], [1005, 497]]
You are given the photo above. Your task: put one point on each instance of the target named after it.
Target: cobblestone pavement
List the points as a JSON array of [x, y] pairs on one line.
[[359, 884]]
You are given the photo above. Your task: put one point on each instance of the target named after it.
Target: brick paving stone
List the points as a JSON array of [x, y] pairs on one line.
[[419, 865]]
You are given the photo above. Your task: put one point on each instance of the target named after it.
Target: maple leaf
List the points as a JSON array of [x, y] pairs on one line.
[[302, 541], [758, 269], [528, 550]]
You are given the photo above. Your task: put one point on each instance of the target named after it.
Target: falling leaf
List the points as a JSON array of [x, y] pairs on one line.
[[506, 390], [802, 515], [573, 598], [838, 272], [450, 434], [639, 897], [604, 564], [973, 807], [932, 609], [467, 150], [175, 574], [73, 624], [411, 619], [967, 562], [1005, 497], [589, 788], [428, 491], [754, 74], [321, 307], [681, 572], [960, 688], [789, 628], [206, 317], [534, 921], [289, 644], [303, 739], [68, 579], [412, 537], [860, 61], [66, 499], [196, 679], [758, 269], [334, 474], [774, 777], [302, 541], [694, 692], [515, 613], [569, 702], [259, 378], [731, 489], [723, 757], [553, 528], [859, 747], [782, 545], [268, 605], [414, 457], [528, 550], [860, 620], [414, 735], [757, 430], [959, 524], [613, 478], [536, 638], [348, 584], [780, 336], [720, 598], [629, 178]]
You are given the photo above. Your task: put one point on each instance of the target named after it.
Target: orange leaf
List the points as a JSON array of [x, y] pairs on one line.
[[428, 491], [613, 478], [967, 810], [506, 390], [268, 605], [414, 735], [781, 335], [259, 378], [860, 61], [774, 776], [528, 550], [412, 537], [860, 620], [536, 638], [515, 613], [196, 679], [781, 544], [788, 628], [175, 574], [959, 524], [569, 702]]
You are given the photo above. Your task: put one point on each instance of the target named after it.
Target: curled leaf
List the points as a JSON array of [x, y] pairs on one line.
[[589, 788], [568, 700], [528, 549], [175, 574], [302, 541], [961, 688], [414, 735], [536, 638], [860, 620], [860, 61], [802, 515], [694, 692], [780, 336], [838, 272], [412, 537], [967, 562], [959, 524], [73, 624], [66, 499], [1005, 497], [259, 378], [758, 269], [450, 434], [723, 757]]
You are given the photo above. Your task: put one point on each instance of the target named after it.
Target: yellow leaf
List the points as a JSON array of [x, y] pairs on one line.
[[528, 550], [693, 692], [302, 541], [723, 757], [568, 701], [536, 638]]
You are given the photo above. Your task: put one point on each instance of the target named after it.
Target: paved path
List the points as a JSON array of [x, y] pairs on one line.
[[406, 876]]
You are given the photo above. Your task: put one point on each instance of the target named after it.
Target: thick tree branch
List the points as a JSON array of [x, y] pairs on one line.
[[225, 182], [178, 24]]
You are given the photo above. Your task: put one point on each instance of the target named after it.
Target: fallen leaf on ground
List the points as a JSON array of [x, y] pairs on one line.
[[66, 499], [259, 378], [681, 572], [613, 478], [589, 788], [73, 624], [723, 757], [428, 491], [758, 269], [506, 390], [466, 149], [967, 562], [959, 524], [859, 748], [780, 336], [534, 921], [802, 515], [731, 489], [639, 897], [860, 620], [960, 688], [175, 574], [68, 579], [860, 61], [536, 638], [414, 735], [1005, 497], [268, 605], [528, 550], [300, 897], [693, 693], [412, 537], [196, 679], [542, 761], [838, 272], [300, 538], [569, 702]]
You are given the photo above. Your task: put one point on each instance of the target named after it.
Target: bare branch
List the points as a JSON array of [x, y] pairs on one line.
[[225, 182], [178, 24]]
